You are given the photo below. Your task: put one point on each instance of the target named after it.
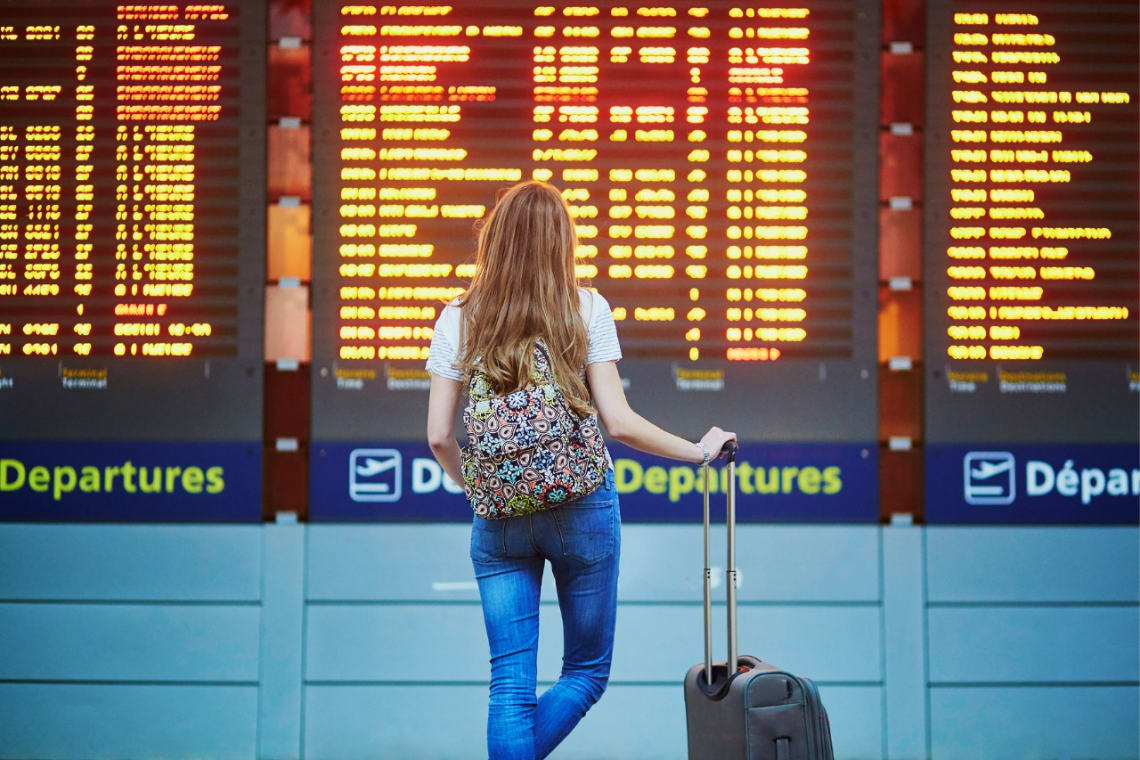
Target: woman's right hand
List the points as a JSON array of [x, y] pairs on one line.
[[715, 439]]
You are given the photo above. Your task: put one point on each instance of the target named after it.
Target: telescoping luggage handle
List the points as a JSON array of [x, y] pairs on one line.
[[729, 450]]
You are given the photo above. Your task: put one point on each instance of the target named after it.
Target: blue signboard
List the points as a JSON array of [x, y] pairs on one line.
[[153, 481], [775, 482], [1059, 483]]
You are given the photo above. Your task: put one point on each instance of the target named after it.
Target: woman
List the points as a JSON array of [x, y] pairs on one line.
[[524, 287]]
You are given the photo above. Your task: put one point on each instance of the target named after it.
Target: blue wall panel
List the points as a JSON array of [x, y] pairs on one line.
[[347, 562], [1032, 645], [1035, 722], [368, 722], [135, 642], [97, 721], [904, 642], [1033, 564], [281, 645], [399, 642], [139, 562]]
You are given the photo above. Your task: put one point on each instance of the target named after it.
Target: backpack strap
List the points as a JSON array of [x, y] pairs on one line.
[[544, 361]]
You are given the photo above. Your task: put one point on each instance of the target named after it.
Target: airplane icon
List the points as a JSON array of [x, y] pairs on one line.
[[981, 483], [989, 469], [374, 466], [374, 475]]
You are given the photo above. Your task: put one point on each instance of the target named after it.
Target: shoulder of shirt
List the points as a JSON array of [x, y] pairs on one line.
[[594, 297], [448, 319], [599, 306], [451, 308]]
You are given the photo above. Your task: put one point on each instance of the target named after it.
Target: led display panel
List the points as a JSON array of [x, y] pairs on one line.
[[132, 207], [1032, 349], [719, 160]]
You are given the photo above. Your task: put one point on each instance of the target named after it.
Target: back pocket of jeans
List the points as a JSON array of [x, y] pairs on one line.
[[587, 531], [487, 542]]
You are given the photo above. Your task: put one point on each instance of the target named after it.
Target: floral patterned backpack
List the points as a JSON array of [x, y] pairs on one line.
[[528, 450]]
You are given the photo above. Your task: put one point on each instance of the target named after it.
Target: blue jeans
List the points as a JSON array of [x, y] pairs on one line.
[[582, 541]]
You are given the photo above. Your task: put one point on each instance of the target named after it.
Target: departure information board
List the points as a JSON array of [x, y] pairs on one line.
[[720, 163], [132, 197], [1032, 259]]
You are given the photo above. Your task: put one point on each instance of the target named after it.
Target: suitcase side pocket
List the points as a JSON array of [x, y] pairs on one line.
[[777, 733]]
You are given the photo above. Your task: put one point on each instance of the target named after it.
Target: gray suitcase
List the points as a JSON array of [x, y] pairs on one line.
[[758, 711]]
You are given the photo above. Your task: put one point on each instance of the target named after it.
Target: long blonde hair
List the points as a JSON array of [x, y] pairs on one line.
[[524, 288]]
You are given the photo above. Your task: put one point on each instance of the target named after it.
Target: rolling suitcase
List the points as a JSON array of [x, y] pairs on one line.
[[757, 711]]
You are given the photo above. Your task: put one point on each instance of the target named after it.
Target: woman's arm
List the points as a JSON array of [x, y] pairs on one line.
[[632, 429], [443, 401]]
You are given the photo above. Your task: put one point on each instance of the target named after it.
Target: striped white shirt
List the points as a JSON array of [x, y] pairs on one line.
[[601, 335]]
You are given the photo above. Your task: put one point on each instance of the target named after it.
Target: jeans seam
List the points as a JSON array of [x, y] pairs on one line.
[[610, 531], [558, 527], [530, 529]]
